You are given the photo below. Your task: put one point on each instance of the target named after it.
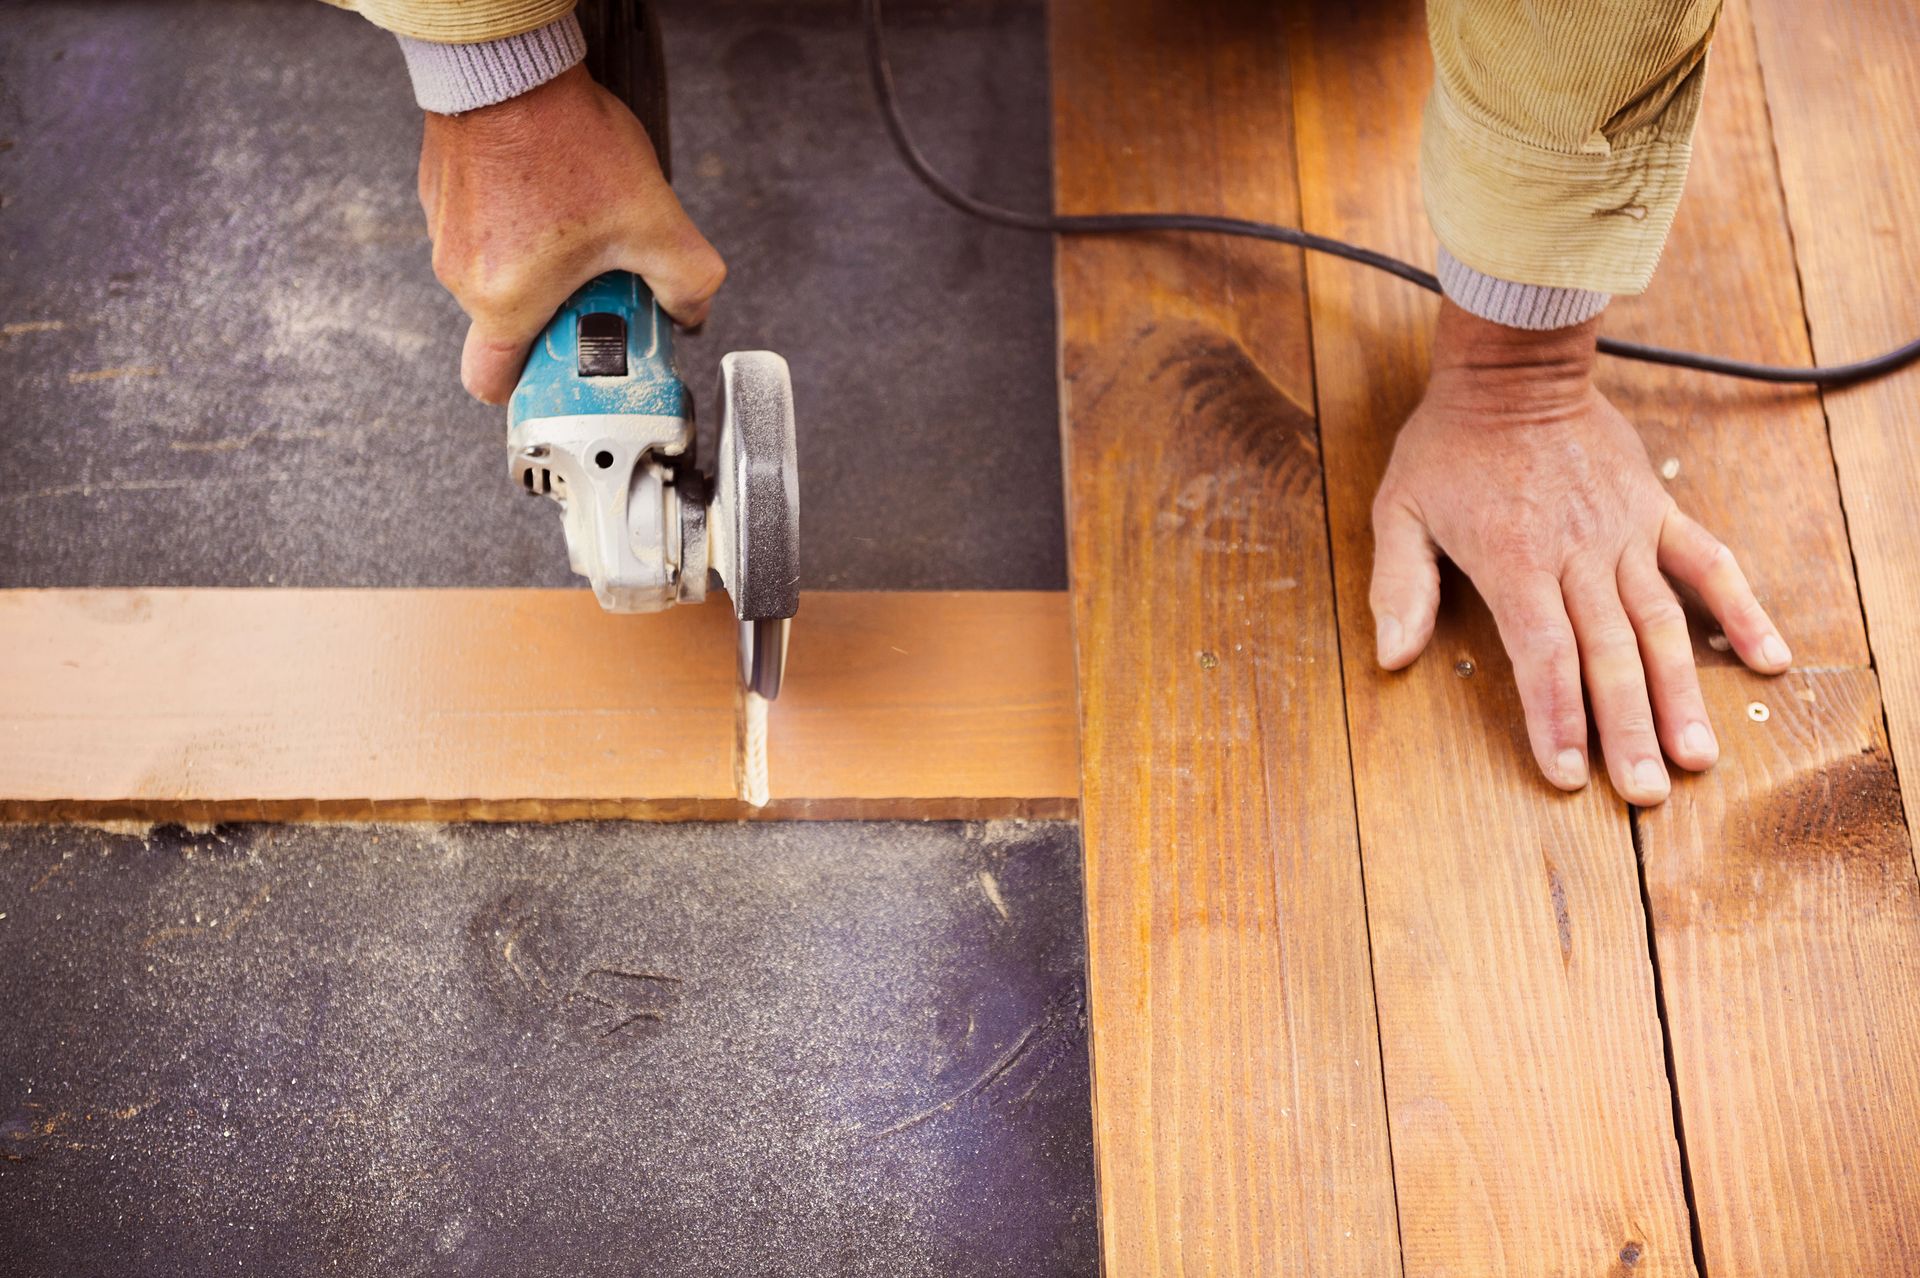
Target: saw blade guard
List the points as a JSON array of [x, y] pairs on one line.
[[754, 523]]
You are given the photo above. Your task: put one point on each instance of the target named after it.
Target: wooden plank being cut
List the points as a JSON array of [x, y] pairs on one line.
[[1787, 921], [1841, 83], [1238, 1118], [1531, 1117], [522, 704]]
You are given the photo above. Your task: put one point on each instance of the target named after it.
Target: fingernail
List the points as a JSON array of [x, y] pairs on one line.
[[1572, 767], [1773, 651], [1698, 741], [1387, 634], [1649, 777]]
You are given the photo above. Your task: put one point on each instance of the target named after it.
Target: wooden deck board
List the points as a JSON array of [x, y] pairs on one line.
[[1781, 884], [522, 704], [1787, 924], [1238, 1118], [1843, 85], [1530, 1110]]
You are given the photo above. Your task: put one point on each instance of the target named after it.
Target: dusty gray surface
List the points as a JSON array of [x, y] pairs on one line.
[[698, 1050], [252, 380], [589, 1049]]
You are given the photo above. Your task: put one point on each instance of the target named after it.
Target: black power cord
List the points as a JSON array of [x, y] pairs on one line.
[[1116, 223]]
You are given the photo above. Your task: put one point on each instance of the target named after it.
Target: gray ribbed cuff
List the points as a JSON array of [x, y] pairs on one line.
[[1532, 306], [451, 78]]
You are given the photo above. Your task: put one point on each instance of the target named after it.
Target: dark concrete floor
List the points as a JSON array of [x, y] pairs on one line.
[[405, 1050], [641, 1050], [252, 380]]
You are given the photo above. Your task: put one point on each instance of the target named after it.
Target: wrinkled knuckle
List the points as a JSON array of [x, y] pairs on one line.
[[1556, 706], [449, 267], [1548, 645], [716, 275], [700, 282], [1635, 718], [1613, 637], [1752, 615], [493, 294], [489, 293], [1662, 613]]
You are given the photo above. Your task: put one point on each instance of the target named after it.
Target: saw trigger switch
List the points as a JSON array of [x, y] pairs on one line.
[[602, 343]]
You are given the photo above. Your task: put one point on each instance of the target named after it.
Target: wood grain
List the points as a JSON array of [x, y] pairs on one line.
[[1843, 82], [1787, 917], [1782, 888], [522, 704], [1238, 1117], [1530, 1112]]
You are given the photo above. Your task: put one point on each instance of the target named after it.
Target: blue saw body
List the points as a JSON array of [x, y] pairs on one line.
[[551, 384]]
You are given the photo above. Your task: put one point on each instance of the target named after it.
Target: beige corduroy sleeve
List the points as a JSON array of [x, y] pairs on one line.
[[459, 21], [1556, 138]]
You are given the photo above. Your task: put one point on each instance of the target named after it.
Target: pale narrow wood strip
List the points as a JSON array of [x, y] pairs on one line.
[[1787, 917], [522, 704], [1526, 1086], [1238, 1116]]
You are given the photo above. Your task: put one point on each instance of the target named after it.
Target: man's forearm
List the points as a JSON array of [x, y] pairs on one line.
[[1555, 145]]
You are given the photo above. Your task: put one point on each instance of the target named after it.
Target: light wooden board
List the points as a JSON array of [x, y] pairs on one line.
[[1841, 81], [522, 704], [1526, 1085], [1787, 918], [1238, 1117]]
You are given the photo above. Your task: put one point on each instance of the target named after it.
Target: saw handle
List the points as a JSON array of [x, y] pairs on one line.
[[624, 56], [608, 350]]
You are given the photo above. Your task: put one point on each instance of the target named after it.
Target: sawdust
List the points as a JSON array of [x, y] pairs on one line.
[[240, 443], [990, 886], [750, 768], [115, 374], [136, 486]]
